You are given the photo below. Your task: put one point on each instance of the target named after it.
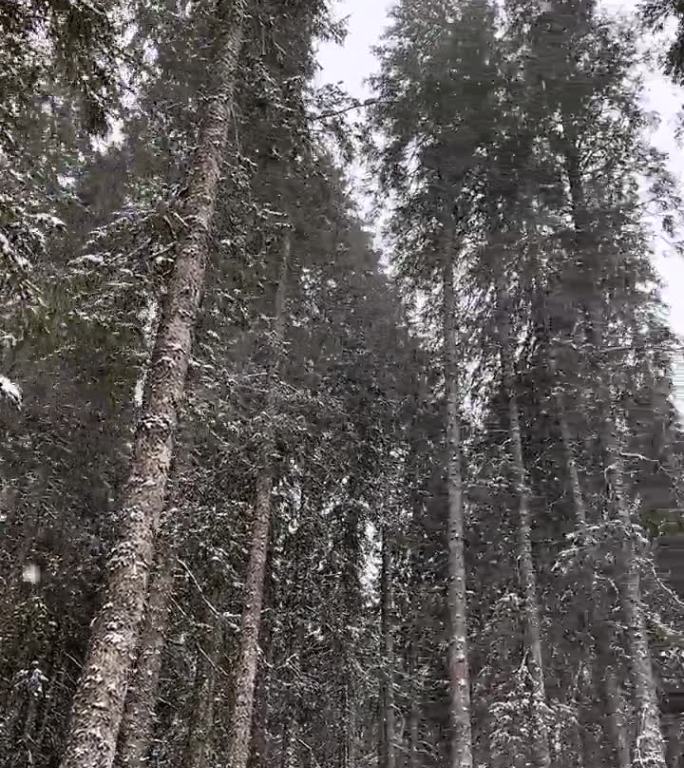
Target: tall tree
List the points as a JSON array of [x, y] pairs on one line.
[[95, 723], [430, 166], [241, 725]]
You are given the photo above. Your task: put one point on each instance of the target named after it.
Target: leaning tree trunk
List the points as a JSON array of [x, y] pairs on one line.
[[649, 749], [388, 734], [137, 725], [99, 700], [459, 677], [241, 719], [261, 753], [528, 576]]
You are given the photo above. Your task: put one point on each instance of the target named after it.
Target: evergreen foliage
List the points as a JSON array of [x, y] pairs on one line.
[[270, 496]]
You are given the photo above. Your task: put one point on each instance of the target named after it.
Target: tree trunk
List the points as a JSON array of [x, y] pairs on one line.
[[260, 753], [613, 706], [613, 725], [388, 739], [350, 724], [673, 728], [528, 577], [199, 736], [412, 760], [649, 748], [571, 467], [459, 678], [99, 701], [241, 720], [137, 724], [414, 735]]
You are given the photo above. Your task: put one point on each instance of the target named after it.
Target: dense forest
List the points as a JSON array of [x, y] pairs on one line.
[[274, 495]]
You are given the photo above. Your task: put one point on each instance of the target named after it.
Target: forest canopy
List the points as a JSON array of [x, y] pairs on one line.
[[282, 484]]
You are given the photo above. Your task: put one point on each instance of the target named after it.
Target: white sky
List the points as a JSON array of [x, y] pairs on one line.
[[352, 63]]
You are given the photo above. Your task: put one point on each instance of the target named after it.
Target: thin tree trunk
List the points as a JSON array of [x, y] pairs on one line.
[[199, 736], [260, 753], [388, 740], [613, 706], [649, 748], [673, 730], [414, 735], [137, 724], [350, 721], [571, 467], [528, 574], [611, 696], [285, 740], [459, 677], [241, 720], [35, 692], [99, 701], [414, 710]]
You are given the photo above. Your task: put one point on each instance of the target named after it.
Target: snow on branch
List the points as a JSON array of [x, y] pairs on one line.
[[10, 391]]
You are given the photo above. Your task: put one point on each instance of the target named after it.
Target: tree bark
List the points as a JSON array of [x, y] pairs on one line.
[[350, 721], [260, 753], [649, 747], [459, 677], [673, 730], [99, 701], [414, 736], [199, 735], [528, 576], [388, 740], [613, 706], [137, 724], [613, 725], [241, 720], [571, 467], [415, 689]]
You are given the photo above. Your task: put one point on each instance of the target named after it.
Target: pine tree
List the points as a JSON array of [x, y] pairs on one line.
[[94, 728], [407, 511]]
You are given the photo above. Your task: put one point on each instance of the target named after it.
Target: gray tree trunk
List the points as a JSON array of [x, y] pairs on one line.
[[614, 724], [611, 695], [200, 732], [137, 726], [673, 731], [350, 721], [388, 740], [571, 467], [528, 576], [649, 748], [241, 720], [99, 701], [459, 677]]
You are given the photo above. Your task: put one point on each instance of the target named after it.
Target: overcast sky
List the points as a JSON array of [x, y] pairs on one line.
[[353, 62]]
